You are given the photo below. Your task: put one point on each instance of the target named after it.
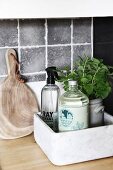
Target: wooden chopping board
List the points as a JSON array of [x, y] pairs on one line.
[[17, 102]]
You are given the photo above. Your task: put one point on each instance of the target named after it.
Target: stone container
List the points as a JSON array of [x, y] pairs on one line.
[[75, 146]]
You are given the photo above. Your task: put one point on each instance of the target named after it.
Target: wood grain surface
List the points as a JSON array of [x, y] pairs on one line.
[[17, 102], [25, 154]]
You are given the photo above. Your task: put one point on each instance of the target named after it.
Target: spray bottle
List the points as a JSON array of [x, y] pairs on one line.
[[49, 99]]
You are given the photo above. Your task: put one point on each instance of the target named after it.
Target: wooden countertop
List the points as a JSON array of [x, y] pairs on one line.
[[25, 154]]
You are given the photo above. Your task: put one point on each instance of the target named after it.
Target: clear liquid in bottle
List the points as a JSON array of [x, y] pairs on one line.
[[73, 109], [49, 106]]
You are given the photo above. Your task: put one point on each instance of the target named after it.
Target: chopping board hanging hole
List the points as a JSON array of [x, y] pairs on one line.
[[11, 61], [13, 65], [18, 102]]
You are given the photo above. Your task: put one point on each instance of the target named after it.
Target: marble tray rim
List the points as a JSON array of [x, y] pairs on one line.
[[107, 117]]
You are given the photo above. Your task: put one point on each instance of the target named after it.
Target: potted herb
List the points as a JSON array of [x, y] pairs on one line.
[[93, 78]]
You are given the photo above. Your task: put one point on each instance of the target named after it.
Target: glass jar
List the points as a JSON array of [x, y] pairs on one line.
[[73, 109]]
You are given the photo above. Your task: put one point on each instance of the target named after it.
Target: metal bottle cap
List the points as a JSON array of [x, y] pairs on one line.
[[72, 82]]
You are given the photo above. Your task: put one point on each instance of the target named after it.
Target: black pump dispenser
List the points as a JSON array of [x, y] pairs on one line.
[[52, 74]]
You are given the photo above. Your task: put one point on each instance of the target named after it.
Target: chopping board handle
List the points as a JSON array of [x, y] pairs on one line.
[[12, 63]]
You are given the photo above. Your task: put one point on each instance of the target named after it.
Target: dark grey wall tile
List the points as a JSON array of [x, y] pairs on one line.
[[103, 29], [32, 32], [103, 49], [80, 51], [8, 33], [59, 31], [105, 52], [32, 60], [82, 30], [59, 56], [3, 67], [37, 77]]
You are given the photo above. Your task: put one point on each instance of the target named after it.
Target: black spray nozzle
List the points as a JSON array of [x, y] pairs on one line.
[[52, 75]]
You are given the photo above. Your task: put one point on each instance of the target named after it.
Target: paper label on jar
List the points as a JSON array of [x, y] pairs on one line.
[[73, 118]]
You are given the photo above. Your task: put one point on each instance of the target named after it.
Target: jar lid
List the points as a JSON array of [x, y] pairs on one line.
[[72, 82]]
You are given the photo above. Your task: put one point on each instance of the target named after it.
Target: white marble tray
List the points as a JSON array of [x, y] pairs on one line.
[[75, 146]]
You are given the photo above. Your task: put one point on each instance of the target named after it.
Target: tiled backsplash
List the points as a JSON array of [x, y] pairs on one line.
[[44, 42], [103, 48]]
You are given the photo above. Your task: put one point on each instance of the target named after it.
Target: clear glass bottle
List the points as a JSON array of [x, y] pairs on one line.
[[49, 100], [73, 109]]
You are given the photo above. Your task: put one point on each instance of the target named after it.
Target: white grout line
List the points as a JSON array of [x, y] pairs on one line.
[[34, 73], [71, 44], [53, 45], [37, 46], [8, 47], [33, 46], [58, 45], [46, 44], [92, 29], [77, 44], [26, 74], [19, 54], [18, 33], [3, 76], [80, 44]]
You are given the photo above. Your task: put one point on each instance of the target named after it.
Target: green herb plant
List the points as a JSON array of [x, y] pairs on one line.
[[92, 75]]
